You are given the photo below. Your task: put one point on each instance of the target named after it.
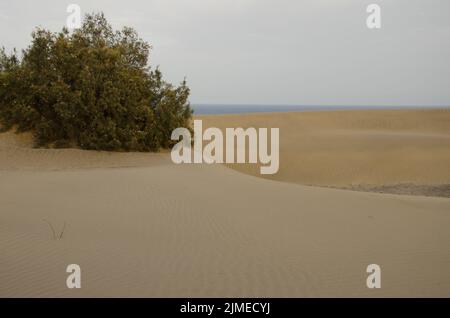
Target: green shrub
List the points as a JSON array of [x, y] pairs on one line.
[[91, 88]]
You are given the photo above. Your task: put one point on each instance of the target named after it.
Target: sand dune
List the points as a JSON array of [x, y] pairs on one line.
[[164, 230], [397, 151], [175, 231]]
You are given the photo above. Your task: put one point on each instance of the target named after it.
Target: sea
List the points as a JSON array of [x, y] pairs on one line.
[[210, 109]]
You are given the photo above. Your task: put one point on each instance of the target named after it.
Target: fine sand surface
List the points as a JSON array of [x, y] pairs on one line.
[[141, 226], [394, 151]]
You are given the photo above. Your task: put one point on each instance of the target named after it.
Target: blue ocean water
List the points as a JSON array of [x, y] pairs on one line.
[[208, 109]]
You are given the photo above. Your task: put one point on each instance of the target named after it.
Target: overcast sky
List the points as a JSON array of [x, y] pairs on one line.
[[307, 52]]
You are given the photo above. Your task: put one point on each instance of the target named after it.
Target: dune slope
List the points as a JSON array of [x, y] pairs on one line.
[[393, 151]]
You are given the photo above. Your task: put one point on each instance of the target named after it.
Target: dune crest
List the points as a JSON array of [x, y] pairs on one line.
[[17, 153]]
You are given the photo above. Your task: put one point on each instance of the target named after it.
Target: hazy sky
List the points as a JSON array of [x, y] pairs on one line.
[[306, 52]]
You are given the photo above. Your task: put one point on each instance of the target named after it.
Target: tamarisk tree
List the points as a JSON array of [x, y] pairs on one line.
[[90, 88]]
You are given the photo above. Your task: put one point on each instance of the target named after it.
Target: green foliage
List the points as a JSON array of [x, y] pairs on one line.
[[90, 88]]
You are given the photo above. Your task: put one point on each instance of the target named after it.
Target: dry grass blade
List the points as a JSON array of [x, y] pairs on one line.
[[55, 236], [51, 227]]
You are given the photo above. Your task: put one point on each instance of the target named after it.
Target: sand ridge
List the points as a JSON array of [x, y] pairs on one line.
[[17, 153], [396, 151]]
